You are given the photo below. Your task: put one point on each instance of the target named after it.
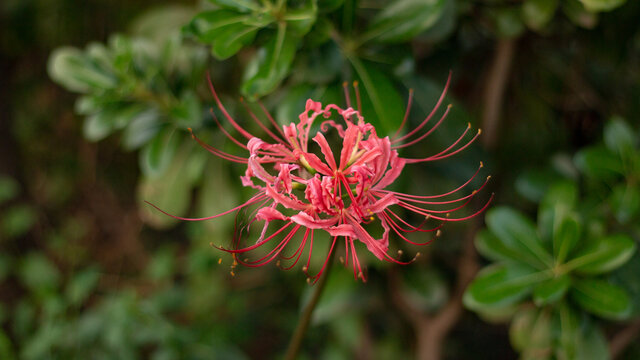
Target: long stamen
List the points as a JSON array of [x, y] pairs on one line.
[[426, 120], [423, 136], [242, 131], [257, 121], [218, 152], [406, 115]]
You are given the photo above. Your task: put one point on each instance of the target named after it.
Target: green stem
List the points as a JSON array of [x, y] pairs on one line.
[[305, 318]]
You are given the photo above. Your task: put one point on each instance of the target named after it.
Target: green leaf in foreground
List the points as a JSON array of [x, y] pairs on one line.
[[601, 298], [271, 65]]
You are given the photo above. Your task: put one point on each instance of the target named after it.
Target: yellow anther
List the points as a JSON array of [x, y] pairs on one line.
[[400, 252], [479, 131], [481, 164], [304, 268], [438, 233], [341, 260], [219, 261], [232, 273]]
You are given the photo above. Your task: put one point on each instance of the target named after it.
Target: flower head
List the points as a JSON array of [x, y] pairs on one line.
[[338, 189]]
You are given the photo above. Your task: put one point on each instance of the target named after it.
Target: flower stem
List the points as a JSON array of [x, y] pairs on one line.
[[305, 318]]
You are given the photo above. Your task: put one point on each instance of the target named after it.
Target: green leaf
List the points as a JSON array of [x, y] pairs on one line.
[[6, 349], [301, 19], [592, 344], [601, 298], [560, 200], [81, 285], [17, 221], [239, 5], [567, 231], [382, 105], [227, 30], [401, 20], [538, 13], [492, 248], [143, 126], [625, 202], [9, 188], [231, 39], [530, 332], [172, 191], [518, 233], [507, 22], [603, 255], [570, 331], [38, 274], [552, 290], [72, 69], [602, 5], [501, 285], [534, 184], [618, 136], [271, 65], [156, 156], [188, 112], [576, 12], [599, 163], [114, 116]]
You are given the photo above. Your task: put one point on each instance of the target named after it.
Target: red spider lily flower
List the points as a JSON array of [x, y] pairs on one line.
[[337, 190]]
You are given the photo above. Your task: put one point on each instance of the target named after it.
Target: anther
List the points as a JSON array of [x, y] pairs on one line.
[[438, 233], [341, 260], [278, 263], [219, 261], [304, 268], [481, 164], [308, 280], [400, 253], [479, 131], [232, 273]]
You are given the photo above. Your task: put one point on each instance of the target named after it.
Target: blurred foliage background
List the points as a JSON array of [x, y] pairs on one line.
[[96, 100]]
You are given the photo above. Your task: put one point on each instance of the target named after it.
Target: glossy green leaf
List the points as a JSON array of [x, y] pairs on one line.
[[156, 156], [403, 19], [603, 255], [566, 234], [559, 201], [518, 233], [619, 137], [625, 202], [551, 290], [72, 69], [601, 298], [228, 31], [599, 163], [231, 39], [489, 246], [271, 65], [301, 19], [538, 13], [501, 285], [602, 5], [240, 5], [382, 105]]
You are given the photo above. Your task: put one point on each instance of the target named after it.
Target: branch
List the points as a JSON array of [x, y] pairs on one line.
[[624, 338], [496, 83]]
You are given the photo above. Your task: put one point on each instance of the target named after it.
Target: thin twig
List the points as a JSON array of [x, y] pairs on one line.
[[496, 83], [305, 317], [624, 338]]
